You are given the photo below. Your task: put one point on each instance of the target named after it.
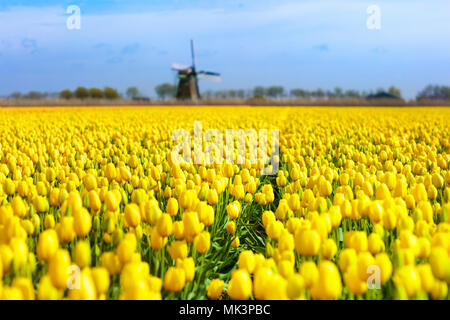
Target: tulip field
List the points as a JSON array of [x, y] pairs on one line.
[[93, 206]]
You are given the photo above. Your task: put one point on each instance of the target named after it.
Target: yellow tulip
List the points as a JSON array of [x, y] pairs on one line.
[[188, 265], [307, 242], [164, 225], [178, 250], [132, 215], [82, 223], [58, 269], [100, 275], [215, 289], [202, 242], [309, 272], [174, 279], [83, 254], [240, 285], [329, 249], [47, 245], [329, 284]]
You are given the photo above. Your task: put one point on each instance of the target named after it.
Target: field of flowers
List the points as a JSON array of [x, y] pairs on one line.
[[92, 206]]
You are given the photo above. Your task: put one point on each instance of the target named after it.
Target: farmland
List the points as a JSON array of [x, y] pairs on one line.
[[93, 205]]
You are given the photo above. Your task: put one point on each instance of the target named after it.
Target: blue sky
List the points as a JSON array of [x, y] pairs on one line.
[[298, 44]]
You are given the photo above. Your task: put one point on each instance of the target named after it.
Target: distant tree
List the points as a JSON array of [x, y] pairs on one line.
[[220, 94], [299, 93], [395, 91], [165, 90], [53, 95], [240, 93], [207, 94], [231, 93], [320, 94], [434, 92], [35, 95], [330, 94], [338, 92], [380, 90], [66, 94], [111, 93], [132, 92], [15, 95], [445, 92], [95, 93], [259, 91], [275, 91], [81, 93], [351, 94]]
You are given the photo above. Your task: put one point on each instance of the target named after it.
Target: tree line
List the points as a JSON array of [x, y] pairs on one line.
[[93, 93], [278, 92], [434, 92], [67, 94], [168, 91]]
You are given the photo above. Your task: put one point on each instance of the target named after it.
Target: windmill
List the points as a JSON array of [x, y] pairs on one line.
[[188, 78]]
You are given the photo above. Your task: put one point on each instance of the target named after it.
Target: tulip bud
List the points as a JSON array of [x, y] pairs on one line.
[[309, 272], [246, 261], [82, 223], [18, 207], [100, 276], [132, 215], [66, 231], [125, 250], [156, 240], [240, 285], [164, 225], [212, 197], [83, 254], [235, 244], [59, 268], [202, 242], [307, 242], [231, 227], [20, 251], [178, 230], [47, 245], [295, 286], [174, 279], [188, 265], [329, 285], [172, 207], [178, 250], [215, 289], [329, 249], [94, 201], [274, 229]]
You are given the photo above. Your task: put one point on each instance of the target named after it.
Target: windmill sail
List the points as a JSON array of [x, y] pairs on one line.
[[208, 75], [187, 88], [193, 53], [177, 67]]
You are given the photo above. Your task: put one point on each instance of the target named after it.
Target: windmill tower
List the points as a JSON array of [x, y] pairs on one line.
[[187, 88]]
